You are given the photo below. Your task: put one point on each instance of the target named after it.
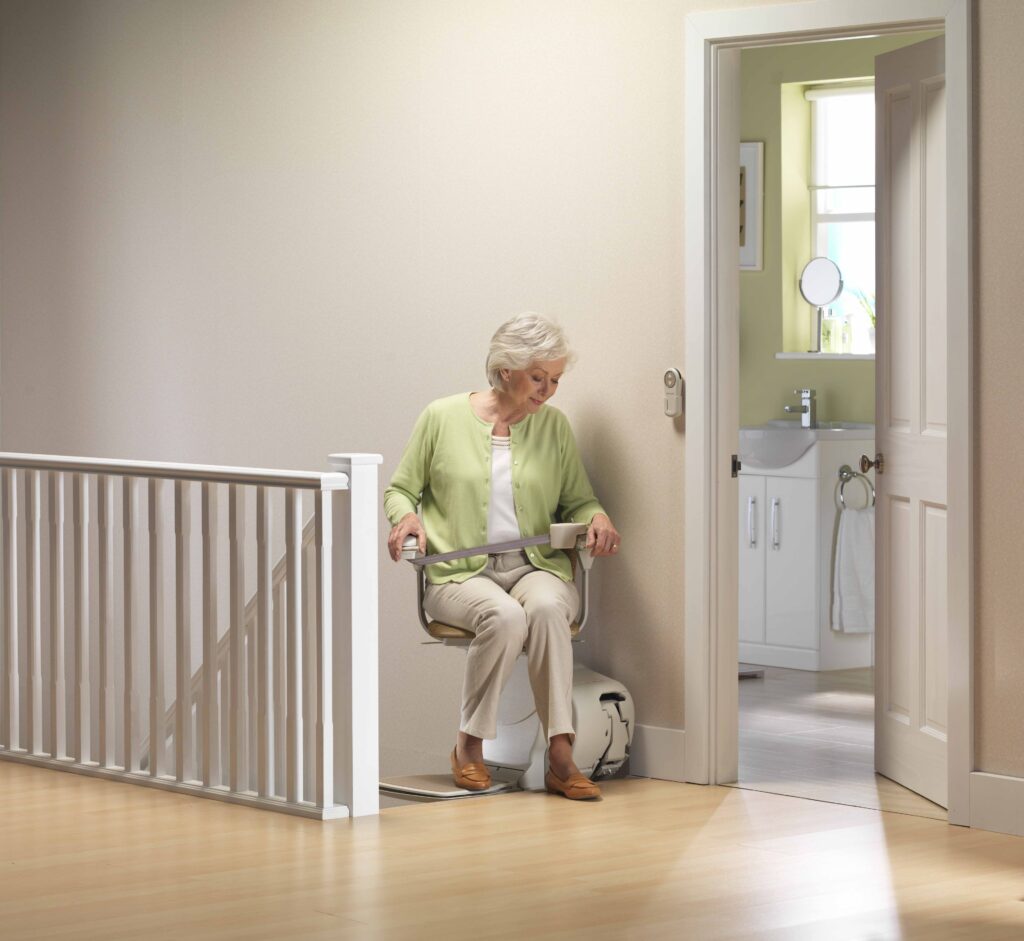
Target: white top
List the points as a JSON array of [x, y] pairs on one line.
[[502, 524]]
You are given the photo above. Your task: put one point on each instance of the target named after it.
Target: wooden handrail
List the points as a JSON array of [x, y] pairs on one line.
[[210, 473]]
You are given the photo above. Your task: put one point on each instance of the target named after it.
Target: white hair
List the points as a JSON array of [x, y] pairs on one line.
[[523, 340]]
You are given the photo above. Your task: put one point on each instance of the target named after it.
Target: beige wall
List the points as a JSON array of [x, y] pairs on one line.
[[256, 232], [773, 316], [999, 465]]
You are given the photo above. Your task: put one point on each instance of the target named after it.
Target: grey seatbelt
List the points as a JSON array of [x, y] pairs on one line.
[[492, 549], [561, 536]]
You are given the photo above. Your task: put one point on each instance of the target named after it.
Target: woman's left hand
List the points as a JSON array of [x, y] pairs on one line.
[[602, 537]]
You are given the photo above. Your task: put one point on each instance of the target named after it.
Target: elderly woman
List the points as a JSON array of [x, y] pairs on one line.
[[490, 467]]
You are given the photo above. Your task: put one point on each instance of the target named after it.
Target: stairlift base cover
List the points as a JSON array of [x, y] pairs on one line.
[[603, 717]]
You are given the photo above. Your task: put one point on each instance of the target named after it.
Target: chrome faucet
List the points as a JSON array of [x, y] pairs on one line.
[[807, 409]]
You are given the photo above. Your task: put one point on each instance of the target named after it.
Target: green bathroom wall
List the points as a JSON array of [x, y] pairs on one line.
[[773, 316]]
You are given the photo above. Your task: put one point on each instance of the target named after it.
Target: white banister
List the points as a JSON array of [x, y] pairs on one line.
[[293, 623], [58, 731], [208, 712], [323, 638], [264, 652], [34, 611], [157, 743], [82, 711], [154, 470], [128, 702], [183, 633], [105, 571], [10, 712], [355, 604], [274, 699], [236, 576]]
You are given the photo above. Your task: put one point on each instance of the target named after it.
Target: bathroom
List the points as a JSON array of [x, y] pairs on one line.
[[807, 413]]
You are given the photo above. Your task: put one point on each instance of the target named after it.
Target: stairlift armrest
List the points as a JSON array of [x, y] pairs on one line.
[[410, 548], [421, 587]]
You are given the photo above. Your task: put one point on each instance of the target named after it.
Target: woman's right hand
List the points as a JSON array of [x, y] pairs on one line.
[[408, 525]]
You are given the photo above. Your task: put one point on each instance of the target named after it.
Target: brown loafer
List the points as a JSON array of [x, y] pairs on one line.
[[471, 777], [577, 787]]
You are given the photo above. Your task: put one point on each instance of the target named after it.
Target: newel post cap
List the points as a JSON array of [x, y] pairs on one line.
[[346, 461]]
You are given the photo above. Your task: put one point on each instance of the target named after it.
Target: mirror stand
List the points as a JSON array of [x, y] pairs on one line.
[[816, 331], [820, 284]]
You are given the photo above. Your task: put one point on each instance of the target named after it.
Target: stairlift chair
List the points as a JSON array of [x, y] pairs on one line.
[[602, 708]]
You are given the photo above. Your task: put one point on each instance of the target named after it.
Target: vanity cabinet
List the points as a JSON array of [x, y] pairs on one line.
[[787, 528], [778, 523]]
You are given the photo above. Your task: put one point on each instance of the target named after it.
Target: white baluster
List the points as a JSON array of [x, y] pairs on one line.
[[210, 716], [105, 567], [224, 704], [33, 611], [293, 554], [58, 730], [251, 772], [131, 757], [183, 633], [264, 588], [10, 726], [324, 541], [82, 715], [280, 657], [236, 535], [157, 743], [308, 670]]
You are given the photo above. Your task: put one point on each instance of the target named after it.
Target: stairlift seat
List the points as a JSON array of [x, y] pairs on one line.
[[444, 632], [451, 634], [603, 712]]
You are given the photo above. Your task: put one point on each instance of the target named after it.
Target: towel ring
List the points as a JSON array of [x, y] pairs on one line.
[[846, 474]]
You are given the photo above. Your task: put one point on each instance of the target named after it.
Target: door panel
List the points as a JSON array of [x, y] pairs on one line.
[[893, 684], [911, 415], [934, 326], [936, 567]]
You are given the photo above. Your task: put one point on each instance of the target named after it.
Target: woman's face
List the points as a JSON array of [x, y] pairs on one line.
[[533, 386]]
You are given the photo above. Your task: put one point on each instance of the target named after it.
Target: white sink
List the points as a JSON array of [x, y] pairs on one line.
[[781, 442]]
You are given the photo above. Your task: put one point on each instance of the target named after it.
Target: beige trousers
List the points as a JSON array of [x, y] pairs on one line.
[[510, 606]]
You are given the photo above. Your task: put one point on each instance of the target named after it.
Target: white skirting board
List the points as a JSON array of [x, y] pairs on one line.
[[997, 803], [768, 655], [658, 753]]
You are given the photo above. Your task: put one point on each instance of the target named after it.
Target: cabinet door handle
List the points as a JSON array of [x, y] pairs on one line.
[[752, 522], [775, 522]]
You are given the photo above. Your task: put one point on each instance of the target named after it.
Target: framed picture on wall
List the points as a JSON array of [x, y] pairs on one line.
[[751, 205]]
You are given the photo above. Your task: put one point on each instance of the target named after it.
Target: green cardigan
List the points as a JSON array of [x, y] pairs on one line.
[[446, 467]]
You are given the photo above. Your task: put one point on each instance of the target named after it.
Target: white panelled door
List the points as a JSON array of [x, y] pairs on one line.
[[911, 677]]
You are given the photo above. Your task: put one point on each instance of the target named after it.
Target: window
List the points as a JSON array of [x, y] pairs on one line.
[[843, 199]]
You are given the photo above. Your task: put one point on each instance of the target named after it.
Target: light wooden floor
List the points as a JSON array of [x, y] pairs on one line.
[[811, 734], [88, 859]]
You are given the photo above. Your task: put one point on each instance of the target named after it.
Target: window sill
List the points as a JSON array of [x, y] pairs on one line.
[[835, 356]]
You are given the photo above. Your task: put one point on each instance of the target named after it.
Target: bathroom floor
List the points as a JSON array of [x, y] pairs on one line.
[[811, 735]]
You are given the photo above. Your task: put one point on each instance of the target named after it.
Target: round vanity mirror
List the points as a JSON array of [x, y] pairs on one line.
[[821, 282]]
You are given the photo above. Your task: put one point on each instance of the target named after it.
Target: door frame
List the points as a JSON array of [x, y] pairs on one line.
[[713, 40]]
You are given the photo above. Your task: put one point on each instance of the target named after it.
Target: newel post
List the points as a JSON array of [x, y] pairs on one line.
[[354, 595]]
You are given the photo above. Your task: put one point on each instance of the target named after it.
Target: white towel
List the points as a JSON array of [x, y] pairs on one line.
[[853, 584]]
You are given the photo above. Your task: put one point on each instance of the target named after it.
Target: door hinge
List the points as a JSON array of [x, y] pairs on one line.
[[736, 465]]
